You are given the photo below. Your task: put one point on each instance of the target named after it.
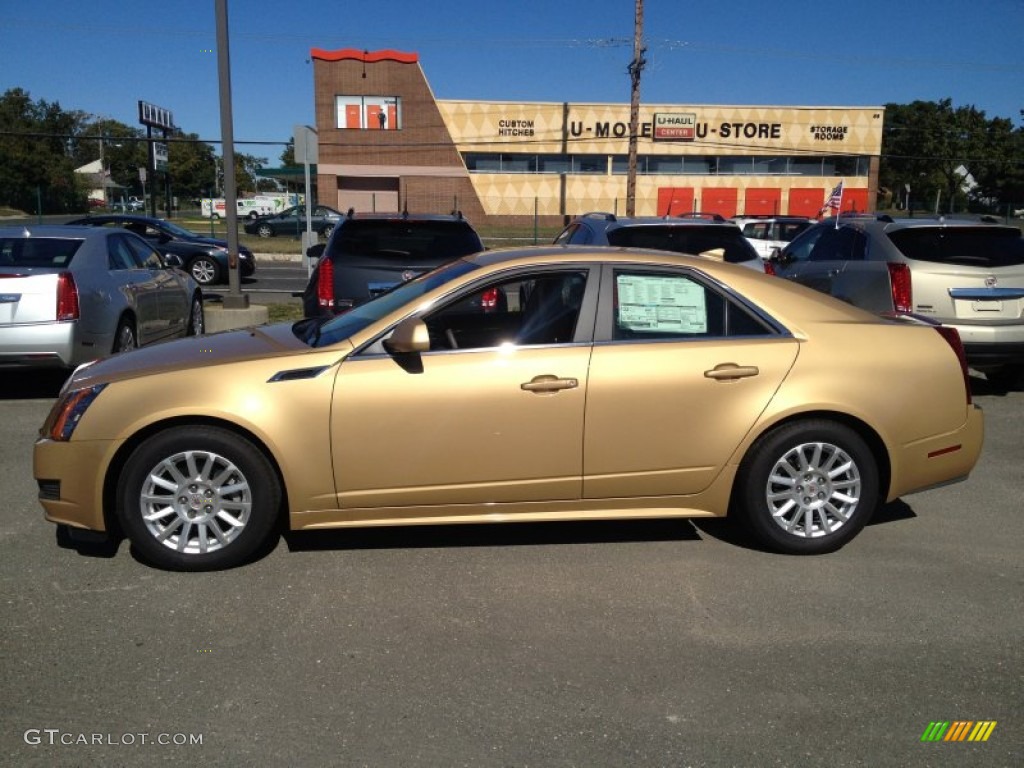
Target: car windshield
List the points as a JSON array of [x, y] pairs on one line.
[[354, 320], [968, 246], [46, 252], [410, 241], [692, 239]]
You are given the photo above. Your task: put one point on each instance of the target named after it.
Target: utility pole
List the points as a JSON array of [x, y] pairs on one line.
[[635, 67], [234, 299]]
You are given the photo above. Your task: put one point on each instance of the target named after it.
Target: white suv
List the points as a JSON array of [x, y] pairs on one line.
[[766, 233]]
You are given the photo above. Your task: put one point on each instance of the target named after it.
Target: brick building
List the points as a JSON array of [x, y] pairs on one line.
[[387, 144]]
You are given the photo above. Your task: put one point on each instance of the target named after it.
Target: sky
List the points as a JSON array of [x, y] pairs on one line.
[[102, 57]]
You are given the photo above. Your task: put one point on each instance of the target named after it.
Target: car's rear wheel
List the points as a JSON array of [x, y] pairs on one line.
[[264, 230], [197, 498], [328, 231], [196, 317], [204, 270], [808, 487], [125, 339]]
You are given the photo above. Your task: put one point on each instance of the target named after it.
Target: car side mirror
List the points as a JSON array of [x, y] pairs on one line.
[[315, 251], [779, 256], [409, 336]]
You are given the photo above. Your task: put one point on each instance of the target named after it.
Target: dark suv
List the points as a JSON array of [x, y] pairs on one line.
[[703, 234], [370, 253], [964, 274]]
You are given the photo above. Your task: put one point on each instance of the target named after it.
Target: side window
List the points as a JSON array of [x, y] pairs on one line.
[[800, 249], [757, 231], [660, 306], [533, 309], [842, 244], [144, 254], [120, 254]]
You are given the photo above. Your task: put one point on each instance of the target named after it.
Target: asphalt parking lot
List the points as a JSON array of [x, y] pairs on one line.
[[588, 644]]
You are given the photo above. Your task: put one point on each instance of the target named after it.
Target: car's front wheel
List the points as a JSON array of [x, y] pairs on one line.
[[197, 498], [808, 487], [204, 270]]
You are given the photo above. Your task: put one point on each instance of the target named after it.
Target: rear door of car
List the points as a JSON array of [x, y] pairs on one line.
[[819, 257], [172, 300], [137, 285], [680, 373]]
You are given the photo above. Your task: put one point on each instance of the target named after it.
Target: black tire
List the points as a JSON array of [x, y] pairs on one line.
[[194, 527], [125, 339], [252, 216], [265, 230], [822, 506], [1008, 377], [204, 270], [215, 216], [328, 231], [196, 317]]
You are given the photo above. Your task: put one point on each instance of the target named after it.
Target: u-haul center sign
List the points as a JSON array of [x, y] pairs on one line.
[[675, 126]]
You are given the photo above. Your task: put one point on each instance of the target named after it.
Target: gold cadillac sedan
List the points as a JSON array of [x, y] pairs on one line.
[[551, 383]]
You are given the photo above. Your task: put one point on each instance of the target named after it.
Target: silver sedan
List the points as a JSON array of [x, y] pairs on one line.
[[69, 295]]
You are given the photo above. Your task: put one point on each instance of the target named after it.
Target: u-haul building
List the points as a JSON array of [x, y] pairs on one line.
[[386, 144]]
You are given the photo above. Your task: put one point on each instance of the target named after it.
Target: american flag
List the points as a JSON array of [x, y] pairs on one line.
[[834, 200]]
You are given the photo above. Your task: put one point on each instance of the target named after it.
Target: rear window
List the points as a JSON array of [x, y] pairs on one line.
[[408, 241], [692, 239], [968, 246], [48, 252]]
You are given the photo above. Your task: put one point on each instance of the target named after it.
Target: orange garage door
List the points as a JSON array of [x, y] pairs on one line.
[[720, 200], [673, 201]]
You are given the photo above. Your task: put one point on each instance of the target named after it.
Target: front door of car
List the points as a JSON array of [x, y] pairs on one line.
[[679, 375], [491, 413]]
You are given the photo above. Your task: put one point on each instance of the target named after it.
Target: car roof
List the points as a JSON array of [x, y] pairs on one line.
[[99, 217], [889, 223], [71, 231]]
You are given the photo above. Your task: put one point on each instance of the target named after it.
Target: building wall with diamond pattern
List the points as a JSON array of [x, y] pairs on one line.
[[424, 160]]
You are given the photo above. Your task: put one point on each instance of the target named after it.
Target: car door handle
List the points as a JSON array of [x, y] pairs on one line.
[[833, 272], [730, 371], [548, 383]]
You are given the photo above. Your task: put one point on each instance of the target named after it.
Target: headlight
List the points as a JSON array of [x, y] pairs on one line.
[[69, 411]]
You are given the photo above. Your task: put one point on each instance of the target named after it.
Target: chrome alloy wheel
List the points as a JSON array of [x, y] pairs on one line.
[[813, 490], [195, 502]]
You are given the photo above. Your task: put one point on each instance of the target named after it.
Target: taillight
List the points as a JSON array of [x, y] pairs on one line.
[[952, 337], [489, 298], [67, 297], [325, 284], [769, 268], [899, 280]]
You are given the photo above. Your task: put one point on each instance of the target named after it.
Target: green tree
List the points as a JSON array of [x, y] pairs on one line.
[[288, 155], [932, 145], [36, 163]]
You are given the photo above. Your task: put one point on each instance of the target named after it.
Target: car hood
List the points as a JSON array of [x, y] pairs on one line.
[[196, 351]]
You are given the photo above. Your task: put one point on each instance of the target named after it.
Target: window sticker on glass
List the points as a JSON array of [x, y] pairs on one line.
[[661, 304]]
